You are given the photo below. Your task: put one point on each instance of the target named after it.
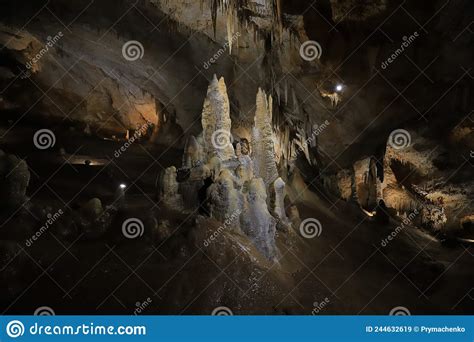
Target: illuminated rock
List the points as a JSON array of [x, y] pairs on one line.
[[225, 201], [216, 121], [257, 222], [278, 201], [263, 150]]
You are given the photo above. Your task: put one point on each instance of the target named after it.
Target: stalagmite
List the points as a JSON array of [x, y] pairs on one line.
[[225, 201], [278, 201], [169, 189], [257, 222], [216, 121], [263, 150]]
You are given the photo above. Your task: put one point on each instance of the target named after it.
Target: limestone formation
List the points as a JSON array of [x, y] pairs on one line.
[[257, 223], [263, 150], [170, 189], [193, 154], [366, 183], [225, 200], [216, 121], [278, 201]]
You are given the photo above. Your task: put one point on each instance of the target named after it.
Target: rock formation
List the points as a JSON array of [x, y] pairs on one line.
[[216, 123], [14, 180], [257, 222], [170, 189], [263, 149], [232, 186]]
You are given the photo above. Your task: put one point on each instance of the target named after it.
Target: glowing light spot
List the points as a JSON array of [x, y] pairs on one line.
[[122, 186], [339, 87]]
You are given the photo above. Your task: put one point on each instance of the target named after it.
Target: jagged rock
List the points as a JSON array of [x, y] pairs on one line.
[[14, 180], [170, 189], [433, 217], [257, 223], [216, 121], [263, 150]]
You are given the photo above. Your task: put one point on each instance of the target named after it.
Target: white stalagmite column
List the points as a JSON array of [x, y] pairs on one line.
[[216, 122], [257, 223], [263, 150]]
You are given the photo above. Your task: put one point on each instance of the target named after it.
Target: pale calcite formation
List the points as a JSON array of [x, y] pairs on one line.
[[263, 150], [278, 201], [216, 119], [225, 200], [244, 171], [256, 221], [170, 189], [193, 153], [230, 185]]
